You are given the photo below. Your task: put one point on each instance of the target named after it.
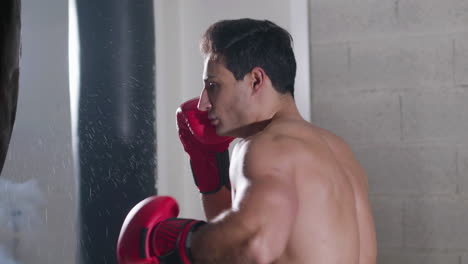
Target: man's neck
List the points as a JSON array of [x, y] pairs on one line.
[[285, 108]]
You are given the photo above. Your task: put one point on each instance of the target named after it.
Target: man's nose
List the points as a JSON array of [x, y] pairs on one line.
[[204, 103]]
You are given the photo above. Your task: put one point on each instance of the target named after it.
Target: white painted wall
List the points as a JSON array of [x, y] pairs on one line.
[[37, 189], [179, 26]]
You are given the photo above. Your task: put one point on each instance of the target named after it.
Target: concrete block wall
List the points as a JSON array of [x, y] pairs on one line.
[[391, 78]]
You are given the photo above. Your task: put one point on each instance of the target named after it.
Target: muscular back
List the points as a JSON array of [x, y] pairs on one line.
[[334, 223]]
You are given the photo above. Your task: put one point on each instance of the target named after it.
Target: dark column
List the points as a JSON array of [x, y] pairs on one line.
[[115, 148], [10, 26]]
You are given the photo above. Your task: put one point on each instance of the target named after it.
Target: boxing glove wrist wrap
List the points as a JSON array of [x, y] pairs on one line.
[[171, 240], [151, 234]]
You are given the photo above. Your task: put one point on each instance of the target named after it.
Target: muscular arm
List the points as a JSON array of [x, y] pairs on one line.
[[257, 228], [216, 203]]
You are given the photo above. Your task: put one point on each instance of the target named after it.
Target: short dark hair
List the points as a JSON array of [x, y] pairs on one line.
[[247, 43]]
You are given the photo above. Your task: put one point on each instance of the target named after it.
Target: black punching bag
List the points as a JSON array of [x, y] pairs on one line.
[[10, 26], [114, 131]]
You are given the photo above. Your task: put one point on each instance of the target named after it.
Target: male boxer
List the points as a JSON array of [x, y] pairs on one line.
[[10, 25], [298, 193]]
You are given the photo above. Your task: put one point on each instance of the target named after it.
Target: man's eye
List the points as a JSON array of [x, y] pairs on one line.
[[212, 86]]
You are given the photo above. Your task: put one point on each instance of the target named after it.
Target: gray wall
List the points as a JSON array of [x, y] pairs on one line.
[[391, 77], [37, 189]]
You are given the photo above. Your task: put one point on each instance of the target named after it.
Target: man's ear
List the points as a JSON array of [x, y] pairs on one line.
[[258, 76]]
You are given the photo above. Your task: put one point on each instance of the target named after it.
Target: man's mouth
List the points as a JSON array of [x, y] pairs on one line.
[[214, 121], [213, 118]]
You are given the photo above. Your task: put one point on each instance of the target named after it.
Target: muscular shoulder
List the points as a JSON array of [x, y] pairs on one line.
[[267, 154]]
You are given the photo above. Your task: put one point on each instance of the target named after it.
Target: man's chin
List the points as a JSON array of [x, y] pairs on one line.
[[220, 132], [223, 131], [227, 132]]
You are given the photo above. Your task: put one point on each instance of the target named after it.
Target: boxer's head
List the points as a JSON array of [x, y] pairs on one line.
[[248, 65], [9, 70], [244, 44]]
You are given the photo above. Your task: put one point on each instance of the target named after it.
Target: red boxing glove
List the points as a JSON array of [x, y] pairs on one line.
[[151, 235], [209, 154]]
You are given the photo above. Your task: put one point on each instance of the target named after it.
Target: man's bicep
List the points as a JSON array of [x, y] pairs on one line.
[[256, 231], [271, 205], [265, 200], [269, 178], [269, 197]]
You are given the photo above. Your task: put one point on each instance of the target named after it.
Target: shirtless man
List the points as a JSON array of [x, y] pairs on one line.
[[298, 194]]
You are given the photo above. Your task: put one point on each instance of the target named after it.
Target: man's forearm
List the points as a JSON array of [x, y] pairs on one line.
[[216, 203], [226, 241]]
